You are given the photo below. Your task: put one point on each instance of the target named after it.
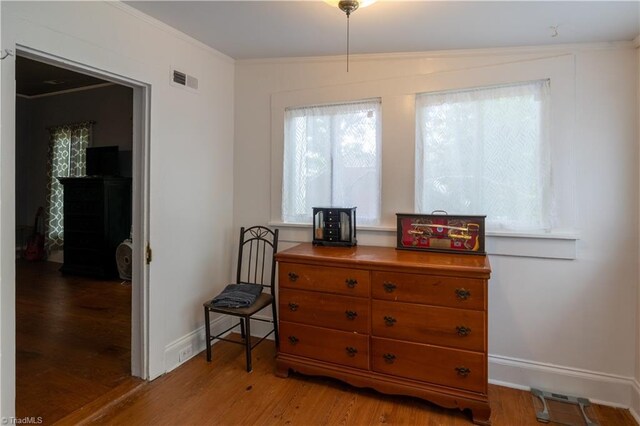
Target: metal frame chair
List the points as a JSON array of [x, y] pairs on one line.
[[262, 245]]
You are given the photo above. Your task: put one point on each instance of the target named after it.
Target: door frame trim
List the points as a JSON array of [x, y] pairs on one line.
[[140, 198]]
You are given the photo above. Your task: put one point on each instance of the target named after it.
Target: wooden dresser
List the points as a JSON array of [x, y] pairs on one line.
[[97, 218], [401, 322]]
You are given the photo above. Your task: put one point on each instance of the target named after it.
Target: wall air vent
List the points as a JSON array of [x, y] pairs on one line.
[[180, 78], [184, 80]]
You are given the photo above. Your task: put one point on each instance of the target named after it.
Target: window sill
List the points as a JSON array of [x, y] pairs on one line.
[[553, 245]]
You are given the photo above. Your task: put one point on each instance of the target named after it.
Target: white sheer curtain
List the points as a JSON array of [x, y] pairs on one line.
[[332, 158], [486, 151]]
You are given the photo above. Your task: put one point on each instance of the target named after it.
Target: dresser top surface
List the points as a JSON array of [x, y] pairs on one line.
[[370, 256]]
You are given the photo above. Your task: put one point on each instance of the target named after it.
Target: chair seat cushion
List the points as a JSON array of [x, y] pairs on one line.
[[261, 302], [237, 296]]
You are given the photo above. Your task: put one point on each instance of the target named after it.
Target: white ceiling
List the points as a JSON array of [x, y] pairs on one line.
[[268, 29]]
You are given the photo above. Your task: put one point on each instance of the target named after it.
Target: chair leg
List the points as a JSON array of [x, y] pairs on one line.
[[242, 333], [247, 341], [207, 328], [275, 323]]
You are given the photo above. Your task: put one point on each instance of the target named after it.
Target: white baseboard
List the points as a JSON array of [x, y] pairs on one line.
[[599, 388], [634, 407], [197, 339]]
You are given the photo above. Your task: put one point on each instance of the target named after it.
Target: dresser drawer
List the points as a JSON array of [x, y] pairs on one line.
[[84, 206], [83, 240], [332, 217], [82, 223], [340, 347], [466, 293], [89, 190], [82, 256], [331, 232], [442, 366], [350, 282], [457, 328], [325, 310]]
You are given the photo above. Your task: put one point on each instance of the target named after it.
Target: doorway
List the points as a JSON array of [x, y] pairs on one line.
[[93, 322]]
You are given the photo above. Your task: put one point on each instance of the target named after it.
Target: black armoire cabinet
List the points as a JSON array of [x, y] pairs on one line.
[[97, 218]]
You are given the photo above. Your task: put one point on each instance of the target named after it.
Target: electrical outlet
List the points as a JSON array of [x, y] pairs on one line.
[[185, 353]]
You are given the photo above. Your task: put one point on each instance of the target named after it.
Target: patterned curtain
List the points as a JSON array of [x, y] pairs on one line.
[[67, 157]]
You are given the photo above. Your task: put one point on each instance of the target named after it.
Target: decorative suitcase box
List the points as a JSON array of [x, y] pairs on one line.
[[441, 232], [334, 226]]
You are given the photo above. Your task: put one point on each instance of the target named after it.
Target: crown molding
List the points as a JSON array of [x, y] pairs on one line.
[[460, 53], [64, 92]]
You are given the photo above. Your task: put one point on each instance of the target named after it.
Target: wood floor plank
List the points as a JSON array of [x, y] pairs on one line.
[[73, 340], [87, 412], [73, 348], [223, 393]]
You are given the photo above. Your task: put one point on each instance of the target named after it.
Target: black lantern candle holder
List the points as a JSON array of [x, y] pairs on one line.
[[334, 226]]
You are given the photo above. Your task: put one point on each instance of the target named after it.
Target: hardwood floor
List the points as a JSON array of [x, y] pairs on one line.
[[73, 340], [73, 350], [223, 393]]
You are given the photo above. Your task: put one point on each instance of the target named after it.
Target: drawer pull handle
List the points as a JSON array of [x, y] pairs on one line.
[[463, 371], [293, 306], [351, 351], [293, 277], [351, 314], [350, 282], [389, 321], [293, 340], [389, 358], [389, 286], [462, 293], [462, 330]]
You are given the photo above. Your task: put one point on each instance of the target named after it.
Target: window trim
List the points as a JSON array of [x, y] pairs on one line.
[[398, 126], [318, 96], [370, 101], [562, 245], [544, 145]]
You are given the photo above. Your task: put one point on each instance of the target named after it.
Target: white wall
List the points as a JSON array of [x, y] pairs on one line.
[[563, 325], [191, 157]]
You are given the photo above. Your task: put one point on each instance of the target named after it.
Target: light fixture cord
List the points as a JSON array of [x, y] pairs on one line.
[[348, 42]]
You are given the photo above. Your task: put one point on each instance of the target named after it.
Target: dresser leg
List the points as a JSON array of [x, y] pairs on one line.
[[282, 370], [481, 414]]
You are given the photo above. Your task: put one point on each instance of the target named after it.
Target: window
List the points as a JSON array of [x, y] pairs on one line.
[[332, 158], [67, 157], [486, 151]]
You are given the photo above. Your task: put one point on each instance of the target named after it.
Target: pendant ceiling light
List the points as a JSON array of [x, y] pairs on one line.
[[348, 7]]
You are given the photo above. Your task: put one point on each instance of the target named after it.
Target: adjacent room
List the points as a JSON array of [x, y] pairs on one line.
[[447, 194], [73, 211]]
